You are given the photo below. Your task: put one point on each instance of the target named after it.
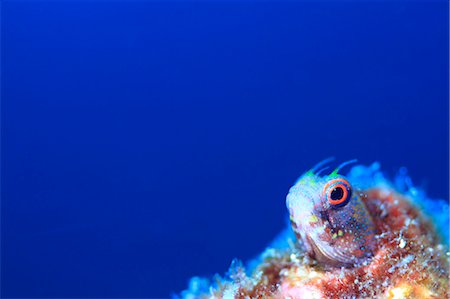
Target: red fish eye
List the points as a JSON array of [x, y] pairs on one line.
[[338, 192]]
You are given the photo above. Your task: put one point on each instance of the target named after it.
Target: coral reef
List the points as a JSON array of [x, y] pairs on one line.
[[407, 237]]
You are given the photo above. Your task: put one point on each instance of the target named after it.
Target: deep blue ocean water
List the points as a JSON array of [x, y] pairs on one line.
[[145, 142]]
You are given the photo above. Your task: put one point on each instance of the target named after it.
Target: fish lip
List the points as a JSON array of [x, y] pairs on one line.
[[311, 247], [316, 253]]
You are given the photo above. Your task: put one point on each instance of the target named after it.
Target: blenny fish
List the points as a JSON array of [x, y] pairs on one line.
[[331, 219], [354, 236]]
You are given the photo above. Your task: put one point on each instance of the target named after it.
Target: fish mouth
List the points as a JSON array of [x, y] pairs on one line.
[[326, 254]]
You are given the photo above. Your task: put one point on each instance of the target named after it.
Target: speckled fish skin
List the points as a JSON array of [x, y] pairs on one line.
[[342, 236]]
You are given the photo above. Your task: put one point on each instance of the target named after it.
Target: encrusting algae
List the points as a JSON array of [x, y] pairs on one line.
[[358, 236]]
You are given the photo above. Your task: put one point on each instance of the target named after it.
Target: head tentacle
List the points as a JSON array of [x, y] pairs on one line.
[[321, 170], [342, 165], [320, 164]]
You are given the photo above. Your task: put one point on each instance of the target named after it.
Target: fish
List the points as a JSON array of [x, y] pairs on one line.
[[330, 218]]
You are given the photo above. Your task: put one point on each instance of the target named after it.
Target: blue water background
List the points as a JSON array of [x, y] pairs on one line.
[[146, 142]]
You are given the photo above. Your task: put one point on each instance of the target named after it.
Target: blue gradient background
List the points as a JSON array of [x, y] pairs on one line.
[[146, 142]]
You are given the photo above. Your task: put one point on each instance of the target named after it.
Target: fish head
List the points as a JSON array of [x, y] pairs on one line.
[[330, 219]]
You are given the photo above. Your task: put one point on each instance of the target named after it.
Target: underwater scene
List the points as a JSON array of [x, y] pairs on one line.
[[224, 149]]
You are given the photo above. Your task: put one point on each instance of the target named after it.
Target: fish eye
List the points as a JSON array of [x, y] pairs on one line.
[[338, 192]]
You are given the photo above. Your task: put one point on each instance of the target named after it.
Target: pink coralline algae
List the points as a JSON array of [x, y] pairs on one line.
[[358, 236]]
